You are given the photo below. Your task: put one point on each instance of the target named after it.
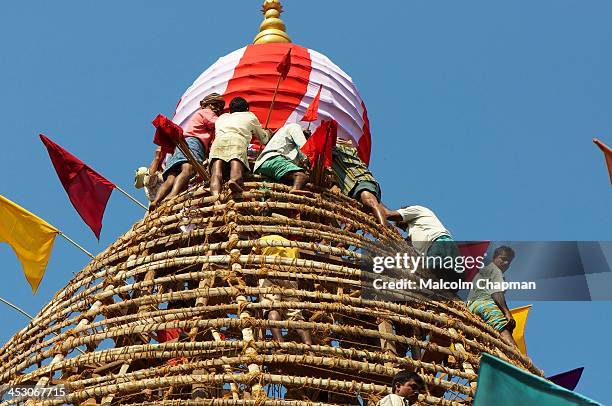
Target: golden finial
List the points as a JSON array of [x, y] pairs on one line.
[[272, 28]]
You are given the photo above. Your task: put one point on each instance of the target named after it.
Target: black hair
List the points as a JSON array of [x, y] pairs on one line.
[[503, 249], [238, 104], [404, 376]]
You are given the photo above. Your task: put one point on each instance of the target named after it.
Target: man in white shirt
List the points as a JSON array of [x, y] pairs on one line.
[[487, 299], [406, 387], [233, 132], [430, 238], [282, 159], [423, 225]]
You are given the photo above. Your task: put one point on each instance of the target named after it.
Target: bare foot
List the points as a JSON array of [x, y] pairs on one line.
[[234, 186]]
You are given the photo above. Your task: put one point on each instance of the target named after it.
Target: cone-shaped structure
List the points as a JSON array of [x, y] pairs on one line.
[[179, 307]]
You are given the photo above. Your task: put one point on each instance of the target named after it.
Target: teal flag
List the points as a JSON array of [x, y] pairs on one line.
[[503, 384]]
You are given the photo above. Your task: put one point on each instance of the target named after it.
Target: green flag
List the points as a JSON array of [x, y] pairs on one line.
[[503, 384]]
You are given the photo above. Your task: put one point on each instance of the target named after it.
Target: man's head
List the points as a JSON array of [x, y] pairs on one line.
[[502, 257], [213, 101], [238, 104], [407, 384]]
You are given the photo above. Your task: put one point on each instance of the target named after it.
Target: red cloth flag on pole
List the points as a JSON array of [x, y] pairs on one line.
[[607, 153], [167, 134], [312, 112], [87, 190], [284, 65], [364, 145], [321, 143]]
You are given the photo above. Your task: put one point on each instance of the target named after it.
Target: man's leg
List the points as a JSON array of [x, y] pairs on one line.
[[300, 179], [163, 191], [216, 177], [506, 336], [369, 200], [305, 336], [391, 214], [181, 181], [277, 335], [490, 313], [235, 181]]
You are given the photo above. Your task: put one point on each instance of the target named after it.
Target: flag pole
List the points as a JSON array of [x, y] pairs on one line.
[[182, 145], [71, 241], [319, 176], [280, 77], [20, 310], [130, 197]]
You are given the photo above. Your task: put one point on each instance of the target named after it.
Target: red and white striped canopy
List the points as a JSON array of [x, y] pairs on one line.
[[250, 72]]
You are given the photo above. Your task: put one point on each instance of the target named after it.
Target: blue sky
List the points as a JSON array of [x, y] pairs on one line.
[[483, 111]]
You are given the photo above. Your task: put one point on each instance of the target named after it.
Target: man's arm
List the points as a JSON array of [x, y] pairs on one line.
[[296, 136], [500, 300], [404, 215], [263, 135], [157, 160], [394, 215]]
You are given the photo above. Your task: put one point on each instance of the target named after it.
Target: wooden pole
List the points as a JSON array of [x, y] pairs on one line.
[[71, 241], [130, 197], [280, 77], [20, 310], [182, 145]]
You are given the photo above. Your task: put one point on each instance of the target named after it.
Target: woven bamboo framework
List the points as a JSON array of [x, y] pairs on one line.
[[193, 264]]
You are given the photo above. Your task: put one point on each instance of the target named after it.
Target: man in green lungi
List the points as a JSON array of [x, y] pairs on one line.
[[282, 159], [487, 299]]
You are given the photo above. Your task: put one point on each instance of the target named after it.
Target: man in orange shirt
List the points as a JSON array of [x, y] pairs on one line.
[[199, 134]]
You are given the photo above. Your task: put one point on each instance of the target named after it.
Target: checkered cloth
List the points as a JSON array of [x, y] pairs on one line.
[[349, 168]]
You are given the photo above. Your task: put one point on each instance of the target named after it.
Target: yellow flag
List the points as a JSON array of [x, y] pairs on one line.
[[30, 237], [520, 316]]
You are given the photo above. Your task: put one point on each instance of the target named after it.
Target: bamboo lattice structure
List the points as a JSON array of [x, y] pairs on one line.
[[193, 265]]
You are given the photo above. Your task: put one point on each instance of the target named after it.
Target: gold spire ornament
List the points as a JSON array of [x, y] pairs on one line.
[[272, 28]]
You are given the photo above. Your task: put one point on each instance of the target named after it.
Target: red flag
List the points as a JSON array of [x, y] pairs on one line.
[[284, 65], [87, 190], [321, 142], [607, 153], [312, 112], [167, 134], [472, 249], [364, 145]]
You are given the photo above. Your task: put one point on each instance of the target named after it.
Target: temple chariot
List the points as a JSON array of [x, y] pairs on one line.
[[192, 270]]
